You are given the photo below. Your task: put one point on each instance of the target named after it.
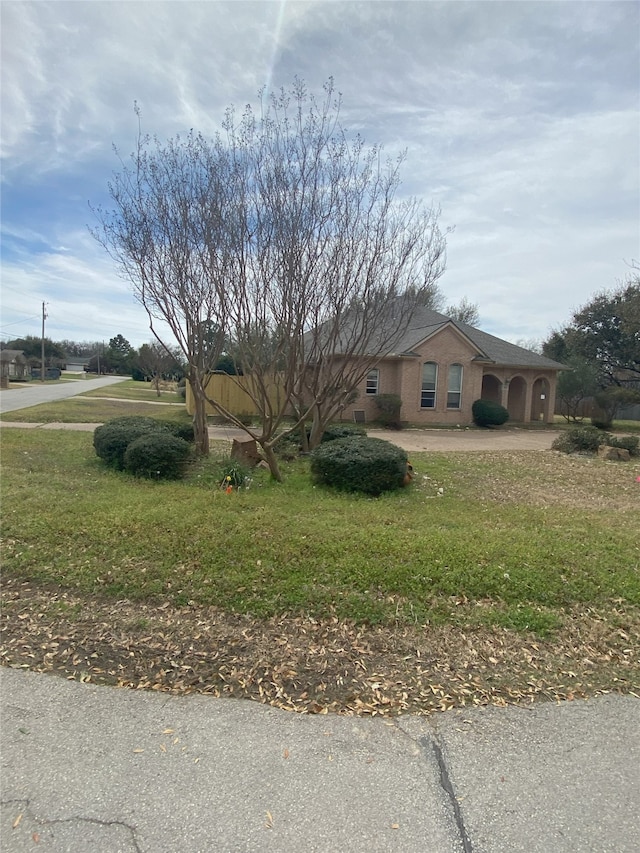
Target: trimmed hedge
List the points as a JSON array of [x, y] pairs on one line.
[[359, 464], [112, 439], [487, 413], [336, 431], [157, 455], [587, 439]]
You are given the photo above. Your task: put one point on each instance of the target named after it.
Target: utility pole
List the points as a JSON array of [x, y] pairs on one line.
[[44, 317]]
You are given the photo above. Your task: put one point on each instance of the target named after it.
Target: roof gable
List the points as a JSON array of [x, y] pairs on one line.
[[426, 323]]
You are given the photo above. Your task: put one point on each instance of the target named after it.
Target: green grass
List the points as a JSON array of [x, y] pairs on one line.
[[482, 553], [129, 389], [85, 409]]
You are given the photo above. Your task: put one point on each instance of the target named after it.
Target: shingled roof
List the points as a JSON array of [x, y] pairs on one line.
[[426, 323]]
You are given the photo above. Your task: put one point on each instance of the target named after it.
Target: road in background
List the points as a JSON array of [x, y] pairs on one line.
[[24, 396]]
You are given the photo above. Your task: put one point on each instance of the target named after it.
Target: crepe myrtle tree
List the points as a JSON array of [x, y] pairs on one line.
[[166, 232], [328, 252], [287, 236]]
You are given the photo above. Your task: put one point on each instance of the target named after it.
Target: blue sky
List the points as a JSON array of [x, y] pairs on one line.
[[520, 119]]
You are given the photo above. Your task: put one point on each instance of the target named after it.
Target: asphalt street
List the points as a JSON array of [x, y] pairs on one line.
[[89, 768], [34, 393]]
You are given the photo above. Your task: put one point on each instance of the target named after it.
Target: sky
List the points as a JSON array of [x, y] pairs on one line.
[[520, 121]]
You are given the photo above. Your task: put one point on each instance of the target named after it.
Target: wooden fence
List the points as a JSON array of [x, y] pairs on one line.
[[230, 392]]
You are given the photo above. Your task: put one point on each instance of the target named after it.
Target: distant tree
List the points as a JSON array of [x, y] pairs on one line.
[[120, 355], [464, 312], [31, 346], [531, 344], [156, 363], [609, 401], [604, 332], [576, 385], [607, 330], [80, 349]]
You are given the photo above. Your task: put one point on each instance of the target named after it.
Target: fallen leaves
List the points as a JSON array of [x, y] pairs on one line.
[[310, 665]]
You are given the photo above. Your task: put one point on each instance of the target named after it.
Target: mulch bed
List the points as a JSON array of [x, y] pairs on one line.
[[314, 666]]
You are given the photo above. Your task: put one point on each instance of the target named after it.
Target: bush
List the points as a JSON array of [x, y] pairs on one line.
[[157, 455], [582, 439], [359, 464], [336, 431], [183, 431], [626, 442], [486, 413], [389, 406], [111, 440], [601, 423]]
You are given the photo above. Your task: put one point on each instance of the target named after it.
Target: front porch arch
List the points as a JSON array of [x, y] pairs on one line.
[[540, 400], [491, 388], [516, 399]]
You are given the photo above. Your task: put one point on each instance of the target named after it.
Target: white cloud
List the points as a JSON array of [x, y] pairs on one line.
[[520, 121]]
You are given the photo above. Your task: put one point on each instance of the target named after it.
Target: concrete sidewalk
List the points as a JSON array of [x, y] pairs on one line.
[[87, 768]]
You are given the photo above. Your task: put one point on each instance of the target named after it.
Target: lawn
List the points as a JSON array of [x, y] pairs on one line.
[[95, 410], [522, 573]]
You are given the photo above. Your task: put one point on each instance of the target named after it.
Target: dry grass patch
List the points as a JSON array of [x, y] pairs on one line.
[[315, 665]]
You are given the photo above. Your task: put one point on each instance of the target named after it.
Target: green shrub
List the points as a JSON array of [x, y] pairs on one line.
[[389, 406], [600, 423], [183, 431], [157, 455], [626, 442], [359, 464], [486, 413], [336, 431], [581, 439], [111, 440]]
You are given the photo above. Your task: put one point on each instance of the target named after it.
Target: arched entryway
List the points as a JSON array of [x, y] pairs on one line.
[[516, 399], [491, 388], [540, 400]]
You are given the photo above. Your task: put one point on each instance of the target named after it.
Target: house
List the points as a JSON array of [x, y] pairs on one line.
[[439, 367], [14, 365]]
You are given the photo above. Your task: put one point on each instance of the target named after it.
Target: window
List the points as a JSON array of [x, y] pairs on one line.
[[373, 380], [454, 390], [429, 380]]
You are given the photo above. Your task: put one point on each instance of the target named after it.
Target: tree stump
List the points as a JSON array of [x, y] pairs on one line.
[[245, 450]]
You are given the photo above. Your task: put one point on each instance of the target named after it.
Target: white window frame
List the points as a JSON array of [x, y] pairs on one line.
[[429, 394], [372, 382], [457, 390]]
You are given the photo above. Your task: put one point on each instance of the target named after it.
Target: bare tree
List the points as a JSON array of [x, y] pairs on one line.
[[331, 265], [287, 237], [166, 231], [465, 312], [155, 362]]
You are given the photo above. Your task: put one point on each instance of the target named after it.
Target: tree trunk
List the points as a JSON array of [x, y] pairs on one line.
[[200, 427], [271, 460], [317, 429]]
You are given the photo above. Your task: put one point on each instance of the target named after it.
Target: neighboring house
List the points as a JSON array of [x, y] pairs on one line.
[[14, 365], [440, 366], [75, 365]]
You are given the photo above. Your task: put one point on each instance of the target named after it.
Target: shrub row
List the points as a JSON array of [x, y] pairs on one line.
[[145, 447], [587, 439]]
